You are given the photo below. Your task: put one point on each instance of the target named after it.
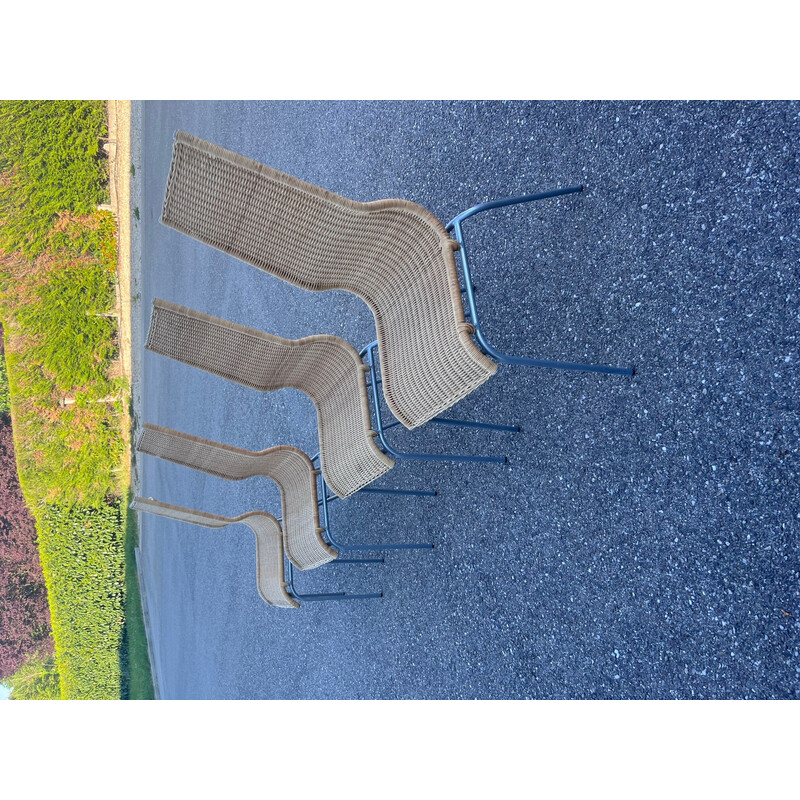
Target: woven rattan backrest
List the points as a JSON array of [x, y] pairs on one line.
[[290, 468], [393, 254], [326, 368], [269, 546]]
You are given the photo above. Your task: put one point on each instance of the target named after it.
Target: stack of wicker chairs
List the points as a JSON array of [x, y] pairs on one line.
[[393, 254]]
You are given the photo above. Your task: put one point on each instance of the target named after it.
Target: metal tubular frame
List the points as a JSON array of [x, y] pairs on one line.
[[454, 226], [370, 489], [345, 547], [372, 382], [325, 596], [378, 489]]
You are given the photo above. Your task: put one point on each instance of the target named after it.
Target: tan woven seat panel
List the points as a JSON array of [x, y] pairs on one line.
[[291, 469], [269, 549], [326, 368], [395, 255]]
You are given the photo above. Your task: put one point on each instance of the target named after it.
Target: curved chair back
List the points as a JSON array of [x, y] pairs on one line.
[[394, 254], [291, 469], [326, 368], [269, 548]]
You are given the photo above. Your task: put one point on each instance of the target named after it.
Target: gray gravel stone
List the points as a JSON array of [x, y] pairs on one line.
[[642, 540]]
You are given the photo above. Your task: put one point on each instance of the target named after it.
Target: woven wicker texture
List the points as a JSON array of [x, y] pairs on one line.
[[326, 368], [269, 547], [393, 254], [291, 469]]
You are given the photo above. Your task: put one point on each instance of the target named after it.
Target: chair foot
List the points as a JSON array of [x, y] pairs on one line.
[[566, 365], [451, 457], [464, 423], [413, 492], [385, 547], [358, 561], [341, 596]]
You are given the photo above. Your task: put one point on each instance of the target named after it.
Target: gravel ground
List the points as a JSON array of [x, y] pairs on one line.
[[642, 540]]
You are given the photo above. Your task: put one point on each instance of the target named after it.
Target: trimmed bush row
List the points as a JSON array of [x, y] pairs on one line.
[[82, 558]]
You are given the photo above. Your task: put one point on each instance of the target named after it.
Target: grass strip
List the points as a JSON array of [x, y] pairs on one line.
[[134, 659]]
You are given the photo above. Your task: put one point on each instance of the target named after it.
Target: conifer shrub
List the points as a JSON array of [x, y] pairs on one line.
[[51, 161]]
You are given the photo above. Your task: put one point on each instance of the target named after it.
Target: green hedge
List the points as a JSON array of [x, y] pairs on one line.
[[84, 565]]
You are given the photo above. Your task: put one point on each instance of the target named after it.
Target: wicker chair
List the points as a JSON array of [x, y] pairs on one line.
[[326, 368], [272, 586], [394, 254], [291, 469], [269, 549], [293, 472]]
